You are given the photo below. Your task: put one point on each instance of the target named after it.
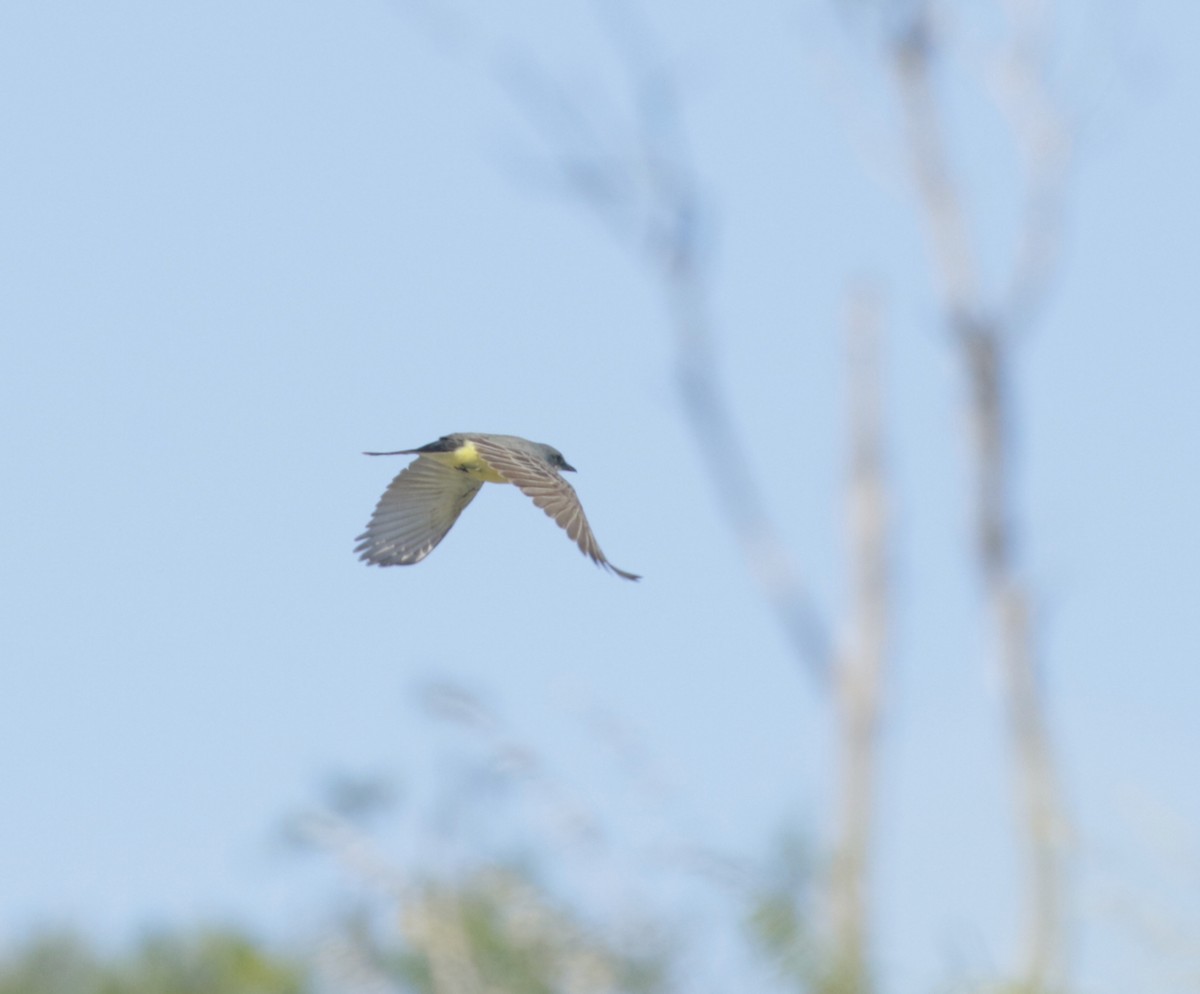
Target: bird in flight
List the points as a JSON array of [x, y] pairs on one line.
[[423, 502]]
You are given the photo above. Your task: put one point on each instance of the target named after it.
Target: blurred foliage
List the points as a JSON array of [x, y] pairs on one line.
[[779, 920], [494, 931], [500, 932], [207, 961]]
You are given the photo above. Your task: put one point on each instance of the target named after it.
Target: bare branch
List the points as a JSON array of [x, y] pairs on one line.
[[945, 214], [1023, 92], [861, 663], [983, 336], [646, 193]]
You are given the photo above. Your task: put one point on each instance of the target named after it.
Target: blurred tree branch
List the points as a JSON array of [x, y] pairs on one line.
[[647, 194], [861, 662], [984, 337]]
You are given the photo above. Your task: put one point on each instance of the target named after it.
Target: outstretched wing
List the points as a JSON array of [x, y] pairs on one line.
[[414, 513], [549, 491]]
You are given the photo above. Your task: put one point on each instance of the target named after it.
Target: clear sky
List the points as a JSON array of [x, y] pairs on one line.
[[241, 243]]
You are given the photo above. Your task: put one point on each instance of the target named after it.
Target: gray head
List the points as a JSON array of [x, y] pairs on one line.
[[555, 458]]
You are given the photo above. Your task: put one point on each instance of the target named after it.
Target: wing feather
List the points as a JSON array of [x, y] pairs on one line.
[[414, 513], [549, 491]]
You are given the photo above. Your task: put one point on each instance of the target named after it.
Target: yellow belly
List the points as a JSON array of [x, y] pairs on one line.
[[467, 459]]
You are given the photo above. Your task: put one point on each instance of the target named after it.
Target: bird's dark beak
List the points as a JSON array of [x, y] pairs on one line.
[[567, 466]]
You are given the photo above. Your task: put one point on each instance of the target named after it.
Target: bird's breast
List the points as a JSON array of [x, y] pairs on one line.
[[466, 458]]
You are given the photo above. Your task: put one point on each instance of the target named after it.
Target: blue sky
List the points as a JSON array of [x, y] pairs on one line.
[[243, 243]]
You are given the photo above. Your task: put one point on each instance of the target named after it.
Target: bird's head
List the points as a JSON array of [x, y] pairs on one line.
[[556, 460]]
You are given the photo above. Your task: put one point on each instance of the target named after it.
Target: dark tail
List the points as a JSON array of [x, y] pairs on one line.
[[447, 443]]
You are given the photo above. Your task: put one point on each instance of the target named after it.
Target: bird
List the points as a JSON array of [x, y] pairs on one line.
[[422, 503]]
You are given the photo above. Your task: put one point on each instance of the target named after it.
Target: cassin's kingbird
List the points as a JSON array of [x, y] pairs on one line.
[[425, 500]]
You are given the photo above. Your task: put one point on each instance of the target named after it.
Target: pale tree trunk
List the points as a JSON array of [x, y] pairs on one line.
[[860, 668], [984, 340]]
